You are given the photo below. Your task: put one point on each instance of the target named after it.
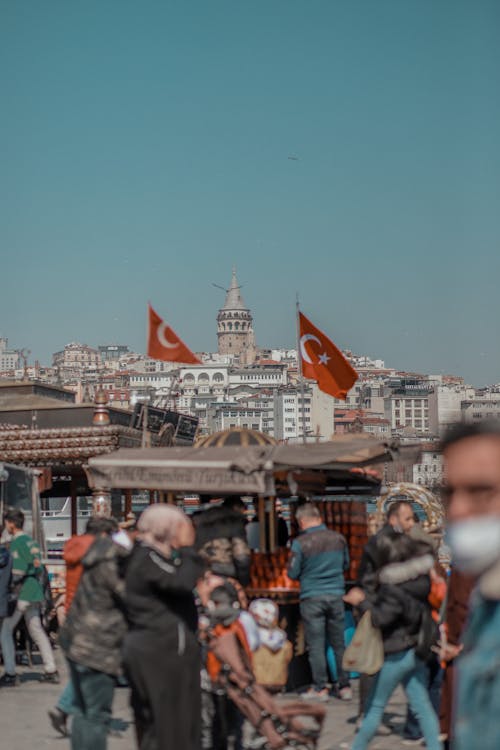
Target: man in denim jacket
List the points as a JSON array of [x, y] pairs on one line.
[[472, 497]]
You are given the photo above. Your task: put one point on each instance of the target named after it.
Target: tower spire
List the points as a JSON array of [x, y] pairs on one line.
[[234, 300], [235, 325]]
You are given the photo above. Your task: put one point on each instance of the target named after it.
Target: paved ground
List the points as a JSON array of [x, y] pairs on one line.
[[24, 724]]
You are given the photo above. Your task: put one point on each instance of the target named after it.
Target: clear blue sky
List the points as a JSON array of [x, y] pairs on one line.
[[144, 150]]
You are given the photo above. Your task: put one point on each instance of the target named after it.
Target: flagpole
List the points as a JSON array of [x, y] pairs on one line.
[[301, 376]]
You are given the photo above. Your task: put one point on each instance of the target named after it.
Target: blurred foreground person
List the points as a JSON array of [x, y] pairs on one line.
[[472, 498], [75, 550], [92, 639], [398, 607], [27, 571], [457, 611], [161, 654]]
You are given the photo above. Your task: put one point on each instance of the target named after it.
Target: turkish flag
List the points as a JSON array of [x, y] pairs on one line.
[[323, 362], [164, 344]]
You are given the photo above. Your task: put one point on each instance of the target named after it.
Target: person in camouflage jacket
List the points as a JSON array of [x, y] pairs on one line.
[[92, 639]]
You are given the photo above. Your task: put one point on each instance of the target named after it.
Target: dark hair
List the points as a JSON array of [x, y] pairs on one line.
[[462, 431], [97, 525], [15, 516], [396, 506], [233, 502], [394, 547], [218, 522], [225, 595]]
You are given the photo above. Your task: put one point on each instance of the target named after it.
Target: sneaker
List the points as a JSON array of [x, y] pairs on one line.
[[9, 680], [345, 693], [58, 721], [316, 695], [52, 677], [384, 731], [413, 742]]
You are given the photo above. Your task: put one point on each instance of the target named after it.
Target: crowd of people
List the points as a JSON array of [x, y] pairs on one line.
[[152, 602]]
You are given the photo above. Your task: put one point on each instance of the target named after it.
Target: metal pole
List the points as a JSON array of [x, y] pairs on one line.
[[74, 507], [144, 425], [301, 376]]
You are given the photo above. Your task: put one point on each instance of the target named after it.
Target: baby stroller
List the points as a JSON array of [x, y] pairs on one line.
[[294, 724]]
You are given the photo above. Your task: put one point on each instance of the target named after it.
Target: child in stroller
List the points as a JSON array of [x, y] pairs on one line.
[[236, 692]]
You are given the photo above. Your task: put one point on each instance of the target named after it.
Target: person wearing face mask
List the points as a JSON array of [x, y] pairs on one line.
[[161, 651], [471, 495]]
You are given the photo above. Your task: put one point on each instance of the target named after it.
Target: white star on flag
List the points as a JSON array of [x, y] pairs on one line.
[[324, 358]]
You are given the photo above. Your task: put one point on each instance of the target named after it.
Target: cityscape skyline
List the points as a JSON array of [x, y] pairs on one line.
[[347, 152], [252, 354]]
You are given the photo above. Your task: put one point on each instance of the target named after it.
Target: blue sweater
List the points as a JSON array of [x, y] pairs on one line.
[[319, 558]]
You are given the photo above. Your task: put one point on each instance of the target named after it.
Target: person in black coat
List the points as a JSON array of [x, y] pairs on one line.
[[161, 651], [399, 518], [399, 608]]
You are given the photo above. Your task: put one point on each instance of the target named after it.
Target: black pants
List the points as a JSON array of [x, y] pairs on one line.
[[164, 674], [227, 726]]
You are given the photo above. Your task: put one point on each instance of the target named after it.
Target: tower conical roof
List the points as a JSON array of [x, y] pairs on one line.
[[234, 300]]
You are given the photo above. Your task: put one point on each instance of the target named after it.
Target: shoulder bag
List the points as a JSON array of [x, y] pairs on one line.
[[365, 653]]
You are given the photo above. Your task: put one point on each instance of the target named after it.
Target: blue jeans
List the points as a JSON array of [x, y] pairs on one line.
[[434, 681], [323, 618], [92, 709], [66, 702], [405, 669]]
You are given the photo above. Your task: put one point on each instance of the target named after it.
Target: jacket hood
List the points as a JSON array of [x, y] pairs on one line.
[[4, 557], [103, 549], [405, 571], [76, 548]]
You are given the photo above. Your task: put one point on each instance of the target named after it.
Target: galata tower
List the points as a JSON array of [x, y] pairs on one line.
[[235, 334]]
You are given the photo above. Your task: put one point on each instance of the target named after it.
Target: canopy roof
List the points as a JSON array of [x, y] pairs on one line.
[[62, 447], [236, 436], [340, 466]]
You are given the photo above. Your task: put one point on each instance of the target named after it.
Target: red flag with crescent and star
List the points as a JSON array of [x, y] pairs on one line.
[[323, 362], [164, 344]]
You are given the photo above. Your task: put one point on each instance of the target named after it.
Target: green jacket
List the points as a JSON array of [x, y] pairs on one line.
[[27, 567]]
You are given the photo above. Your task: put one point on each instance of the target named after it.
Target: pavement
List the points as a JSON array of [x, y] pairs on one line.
[[24, 724]]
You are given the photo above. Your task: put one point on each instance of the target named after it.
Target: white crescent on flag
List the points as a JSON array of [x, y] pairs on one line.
[[303, 340], [162, 337]]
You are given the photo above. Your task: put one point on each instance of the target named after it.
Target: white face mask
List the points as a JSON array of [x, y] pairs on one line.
[[474, 543]]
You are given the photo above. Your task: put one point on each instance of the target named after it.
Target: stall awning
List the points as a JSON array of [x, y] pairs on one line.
[[191, 470], [263, 470]]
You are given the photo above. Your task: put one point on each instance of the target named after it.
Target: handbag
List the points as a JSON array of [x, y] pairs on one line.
[[365, 653]]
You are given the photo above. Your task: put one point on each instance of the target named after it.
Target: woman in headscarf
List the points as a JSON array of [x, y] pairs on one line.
[[161, 653]]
